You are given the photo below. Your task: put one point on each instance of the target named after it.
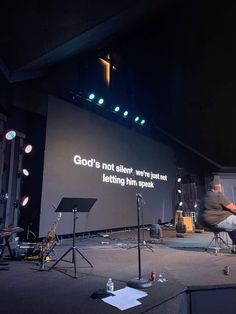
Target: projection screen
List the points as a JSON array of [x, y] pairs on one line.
[[88, 156]]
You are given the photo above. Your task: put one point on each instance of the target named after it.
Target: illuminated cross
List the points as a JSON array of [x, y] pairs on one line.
[[108, 67]]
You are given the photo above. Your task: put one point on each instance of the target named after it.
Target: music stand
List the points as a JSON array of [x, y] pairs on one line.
[[74, 205]]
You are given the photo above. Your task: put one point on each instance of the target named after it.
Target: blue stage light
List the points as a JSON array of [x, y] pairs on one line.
[[125, 114], [91, 96], [136, 119], [10, 135], [117, 108], [142, 122], [100, 101]]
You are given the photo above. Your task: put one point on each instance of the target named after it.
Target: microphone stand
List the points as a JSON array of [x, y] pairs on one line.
[[143, 244], [139, 282]]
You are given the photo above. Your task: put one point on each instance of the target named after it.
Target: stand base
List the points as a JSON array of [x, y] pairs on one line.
[[142, 245], [139, 283], [73, 261]]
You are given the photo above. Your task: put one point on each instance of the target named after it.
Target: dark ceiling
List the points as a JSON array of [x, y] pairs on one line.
[[183, 52]]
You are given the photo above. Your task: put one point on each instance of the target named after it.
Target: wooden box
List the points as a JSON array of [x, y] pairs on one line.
[[188, 221]]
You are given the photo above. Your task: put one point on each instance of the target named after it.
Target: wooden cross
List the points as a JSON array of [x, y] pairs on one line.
[[108, 67]]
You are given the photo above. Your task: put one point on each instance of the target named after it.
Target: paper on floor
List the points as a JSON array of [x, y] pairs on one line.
[[125, 298]]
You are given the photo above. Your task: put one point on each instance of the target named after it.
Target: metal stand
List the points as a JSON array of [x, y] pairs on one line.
[[72, 249], [28, 232], [218, 243], [139, 282], [143, 243], [44, 255]]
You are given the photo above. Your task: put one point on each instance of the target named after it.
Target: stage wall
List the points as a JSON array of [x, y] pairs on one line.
[[89, 156]]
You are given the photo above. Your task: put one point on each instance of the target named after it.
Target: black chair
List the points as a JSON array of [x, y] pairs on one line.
[[219, 240]]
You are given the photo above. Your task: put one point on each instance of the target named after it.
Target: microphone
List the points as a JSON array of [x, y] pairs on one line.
[[139, 195]]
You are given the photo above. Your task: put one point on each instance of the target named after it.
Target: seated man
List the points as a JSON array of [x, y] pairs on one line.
[[216, 211]]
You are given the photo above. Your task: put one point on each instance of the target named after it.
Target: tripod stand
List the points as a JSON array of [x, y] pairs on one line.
[[73, 205]]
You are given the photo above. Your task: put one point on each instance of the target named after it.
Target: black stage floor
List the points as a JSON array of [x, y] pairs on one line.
[[195, 279]]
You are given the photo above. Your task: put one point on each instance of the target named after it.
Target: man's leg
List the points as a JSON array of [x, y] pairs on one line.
[[232, 235], [229, 224]]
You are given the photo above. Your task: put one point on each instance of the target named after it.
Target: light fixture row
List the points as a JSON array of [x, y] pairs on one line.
[[25, 172], [125, 114], [11, 134], [99, 101], [116, 109], [27, 149]]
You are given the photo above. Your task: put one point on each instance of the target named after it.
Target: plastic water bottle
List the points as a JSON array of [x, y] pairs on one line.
[[110, 285]]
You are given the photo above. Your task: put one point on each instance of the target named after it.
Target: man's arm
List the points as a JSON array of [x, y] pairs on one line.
[[227, 203], [231, 207]]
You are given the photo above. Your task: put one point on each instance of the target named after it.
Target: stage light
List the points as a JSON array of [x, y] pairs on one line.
[[125, 113], [180, 203], [142, 122], [178, 179], [117, 108], [179, 191], [25, 172], [101, 101], [24, 201], [195, 205], [136, 119], [91, 96], [10, 135], [28, 148]]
